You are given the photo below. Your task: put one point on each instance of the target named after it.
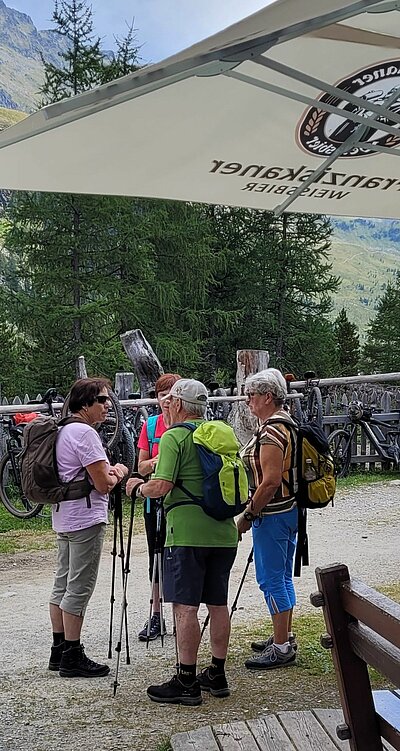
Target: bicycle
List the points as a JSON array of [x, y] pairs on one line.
[[134, 419], [11, 493], [218, 410], [309, 407], [386, 442]]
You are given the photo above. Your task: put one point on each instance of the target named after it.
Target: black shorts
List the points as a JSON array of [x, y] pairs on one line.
[[195, 575], [150, 521]]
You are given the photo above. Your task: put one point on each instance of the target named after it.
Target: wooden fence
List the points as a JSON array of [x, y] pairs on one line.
[[384, 400]]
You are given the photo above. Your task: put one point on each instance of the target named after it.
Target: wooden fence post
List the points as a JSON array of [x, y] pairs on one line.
[[249, 361], [144, 360], [123, 385], [81, 367]]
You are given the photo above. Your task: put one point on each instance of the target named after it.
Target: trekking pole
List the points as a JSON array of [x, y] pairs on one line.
[[235, 602], [157, 569], [161, 590], [118, 504], [176, 642], [112, 594], [124, 604]]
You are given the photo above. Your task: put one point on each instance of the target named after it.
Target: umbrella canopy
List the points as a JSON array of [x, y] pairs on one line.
[[295, 107]]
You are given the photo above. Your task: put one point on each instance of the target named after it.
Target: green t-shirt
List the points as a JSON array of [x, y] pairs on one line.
[[188, 526]]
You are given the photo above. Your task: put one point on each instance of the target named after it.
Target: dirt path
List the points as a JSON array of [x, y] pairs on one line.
[[38, 708]]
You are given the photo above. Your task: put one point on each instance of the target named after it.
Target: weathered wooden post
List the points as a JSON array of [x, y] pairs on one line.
[[124, 385], [81, 371], [249, 361], [144, 360]]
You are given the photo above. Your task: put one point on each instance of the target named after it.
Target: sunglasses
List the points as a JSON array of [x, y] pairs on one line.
[[102, 399]]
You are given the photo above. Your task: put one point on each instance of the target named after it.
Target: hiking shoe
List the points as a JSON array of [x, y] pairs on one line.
[[259, 646], [155, 628], [55, 656], [271, 658], [216, 685], [74, 663], [176, 692]]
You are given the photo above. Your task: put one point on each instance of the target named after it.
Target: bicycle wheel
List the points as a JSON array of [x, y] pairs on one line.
[[140, 418], [111, 429], [11, 492], [127, 449], [296, 409], [340, 447], [314, 406]]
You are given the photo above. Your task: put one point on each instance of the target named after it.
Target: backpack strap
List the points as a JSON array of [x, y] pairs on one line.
[[76, 488], [151, 426], [189, 425], [194, 500], [151, 432], [302, 550], [294, 463]]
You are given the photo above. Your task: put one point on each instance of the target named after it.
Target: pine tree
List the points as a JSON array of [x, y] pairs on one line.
[[347, 344], [276, 285], [73, 251], [381, 351], [94, 267], [81, 65]]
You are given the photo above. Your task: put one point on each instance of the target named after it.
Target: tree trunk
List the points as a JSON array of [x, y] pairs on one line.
[[282, 287], [249, 361], [81, 367], [75, 262], [145, 362]]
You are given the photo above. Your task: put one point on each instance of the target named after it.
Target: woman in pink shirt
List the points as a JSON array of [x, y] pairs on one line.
[[148, 442], [80, 526]]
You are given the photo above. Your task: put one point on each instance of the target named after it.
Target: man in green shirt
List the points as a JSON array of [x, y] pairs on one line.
[[199, 552]]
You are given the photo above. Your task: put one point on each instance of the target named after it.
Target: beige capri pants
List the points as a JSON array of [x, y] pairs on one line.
[[78, 562]]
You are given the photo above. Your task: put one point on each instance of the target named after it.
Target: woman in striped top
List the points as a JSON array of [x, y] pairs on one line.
[[272, 513]]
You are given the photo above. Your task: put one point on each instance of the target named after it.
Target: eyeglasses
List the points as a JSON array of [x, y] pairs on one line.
[[102, 399], [250, 394]]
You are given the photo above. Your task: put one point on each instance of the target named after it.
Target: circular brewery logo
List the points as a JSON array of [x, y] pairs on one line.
[[321, 133]]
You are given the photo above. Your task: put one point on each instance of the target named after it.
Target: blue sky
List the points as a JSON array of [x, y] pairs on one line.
[[163, 26]]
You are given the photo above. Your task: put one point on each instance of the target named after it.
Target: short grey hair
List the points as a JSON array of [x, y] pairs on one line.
[[197, 410], [267, 381]]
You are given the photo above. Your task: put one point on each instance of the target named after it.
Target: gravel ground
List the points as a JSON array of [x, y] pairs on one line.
[[39, 710]]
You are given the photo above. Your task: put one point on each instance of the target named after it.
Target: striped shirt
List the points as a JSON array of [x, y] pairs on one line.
[[274, 434]]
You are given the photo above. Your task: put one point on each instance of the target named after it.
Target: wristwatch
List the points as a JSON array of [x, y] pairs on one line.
[[139, 493], [249, 516]]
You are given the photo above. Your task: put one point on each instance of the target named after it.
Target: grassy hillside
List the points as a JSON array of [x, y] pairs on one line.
[[10, 117], [366, 256]]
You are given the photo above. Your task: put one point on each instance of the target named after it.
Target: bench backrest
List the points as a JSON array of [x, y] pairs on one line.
[[363, 629]]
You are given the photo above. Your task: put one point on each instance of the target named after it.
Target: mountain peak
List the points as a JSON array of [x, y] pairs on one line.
[[22, 47]]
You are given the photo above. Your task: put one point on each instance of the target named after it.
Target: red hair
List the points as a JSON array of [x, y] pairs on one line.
[[166, 381]]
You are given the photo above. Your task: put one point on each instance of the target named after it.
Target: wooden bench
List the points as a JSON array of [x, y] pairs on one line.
[[363, 629]]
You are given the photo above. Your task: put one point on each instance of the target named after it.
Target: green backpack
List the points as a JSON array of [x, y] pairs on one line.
[[225, 486]]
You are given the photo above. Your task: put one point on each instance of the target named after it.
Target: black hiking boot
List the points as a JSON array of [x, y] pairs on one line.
[[216, 685], [74, 664], [55, 656], [176, 692], [155, 628], [259, 646]]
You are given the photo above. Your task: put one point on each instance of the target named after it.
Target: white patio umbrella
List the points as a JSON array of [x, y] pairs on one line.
[[296, 107]]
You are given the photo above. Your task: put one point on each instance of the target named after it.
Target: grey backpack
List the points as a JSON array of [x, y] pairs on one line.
[[39, 472]]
